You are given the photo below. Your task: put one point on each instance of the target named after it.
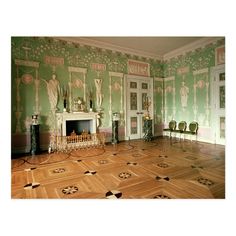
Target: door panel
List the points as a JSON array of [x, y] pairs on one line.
[[220, 111], [133, 101], [137, 95], [218, 116], [134, 125]]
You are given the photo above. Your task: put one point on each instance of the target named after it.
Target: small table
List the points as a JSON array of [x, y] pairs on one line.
[[148, 136], [35, 142]]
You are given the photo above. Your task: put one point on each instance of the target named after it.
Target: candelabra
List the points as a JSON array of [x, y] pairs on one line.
[[147, 104], [64, 93]]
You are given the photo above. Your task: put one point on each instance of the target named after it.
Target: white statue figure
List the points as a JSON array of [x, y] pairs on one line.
[[98, 84], [98, 120], [53, 89], [184, 90]]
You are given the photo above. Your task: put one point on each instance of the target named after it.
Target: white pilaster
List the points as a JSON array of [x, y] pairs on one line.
[[119, 75], [71, 70], [37, 84]]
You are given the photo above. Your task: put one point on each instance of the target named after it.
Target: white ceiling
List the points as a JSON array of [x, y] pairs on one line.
[[154, 47], [158, 46]]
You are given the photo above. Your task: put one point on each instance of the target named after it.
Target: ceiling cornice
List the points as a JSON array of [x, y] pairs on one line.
[[99, 44], [180, 51], [190, 47]]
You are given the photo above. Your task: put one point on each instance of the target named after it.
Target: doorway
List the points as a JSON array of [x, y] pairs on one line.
[[218, 104], [138, 91]]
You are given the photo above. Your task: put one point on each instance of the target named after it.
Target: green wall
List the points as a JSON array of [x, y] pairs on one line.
[[192, 67], [37, 49]]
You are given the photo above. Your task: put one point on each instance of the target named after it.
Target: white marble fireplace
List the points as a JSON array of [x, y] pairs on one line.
[[65, 120]]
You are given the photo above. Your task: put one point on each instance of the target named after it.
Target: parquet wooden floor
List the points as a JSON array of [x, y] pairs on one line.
[[128, 170]]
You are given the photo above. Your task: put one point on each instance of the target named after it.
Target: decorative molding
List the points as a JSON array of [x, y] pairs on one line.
[[77, 69], [169, 78], [77, 83], [37, 84], [174, 107], [110, 101], [190, 47], [196, 85], [114, 48], [220, 55], [98, 66], [161, 89], [121, 100], [18, 111], [197, 72], [169, 89], [159, 79], [27, 63], [136, 77], [115, 74], [84, 87], [138, 68], [207, 102], [70, 90], [72, 69], [183, 70], [54, 60], [195, 107], [119, 75], [26, 79]]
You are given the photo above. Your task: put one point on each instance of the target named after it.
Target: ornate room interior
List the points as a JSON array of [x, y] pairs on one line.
[[118, 117]]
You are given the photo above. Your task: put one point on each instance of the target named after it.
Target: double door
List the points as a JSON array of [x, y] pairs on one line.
[[139, 102], [218, 104]]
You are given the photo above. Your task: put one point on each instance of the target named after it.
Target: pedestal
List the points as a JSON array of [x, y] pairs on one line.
[[114, 139], [148, 136], [35, 143]]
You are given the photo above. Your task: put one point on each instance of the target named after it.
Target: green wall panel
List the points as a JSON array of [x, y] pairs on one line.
[[193, 68], [39, 49]]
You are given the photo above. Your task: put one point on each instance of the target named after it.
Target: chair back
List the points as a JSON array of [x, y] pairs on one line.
[[193, 127], [182, 126], [172, 125]]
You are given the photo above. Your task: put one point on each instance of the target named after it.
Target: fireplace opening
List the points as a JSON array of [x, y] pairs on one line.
[[78, 126]]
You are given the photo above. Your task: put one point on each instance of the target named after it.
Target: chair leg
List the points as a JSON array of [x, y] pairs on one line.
[[171, 138]]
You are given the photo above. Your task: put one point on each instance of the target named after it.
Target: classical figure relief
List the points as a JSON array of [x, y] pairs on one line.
[[184, 91], [159, 90], [201, 84], [116, 86], [169, 89], [27, 78], [78, 83], [98, 84], [53, 89]]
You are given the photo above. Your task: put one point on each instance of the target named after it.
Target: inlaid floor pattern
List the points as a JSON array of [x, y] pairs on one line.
[[129, 170]]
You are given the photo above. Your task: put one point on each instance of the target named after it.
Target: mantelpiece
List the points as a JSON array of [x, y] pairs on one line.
[[63, 118]]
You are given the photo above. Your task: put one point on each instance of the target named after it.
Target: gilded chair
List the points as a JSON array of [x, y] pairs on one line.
[[182, 125], [171, 128], [192, 129]]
